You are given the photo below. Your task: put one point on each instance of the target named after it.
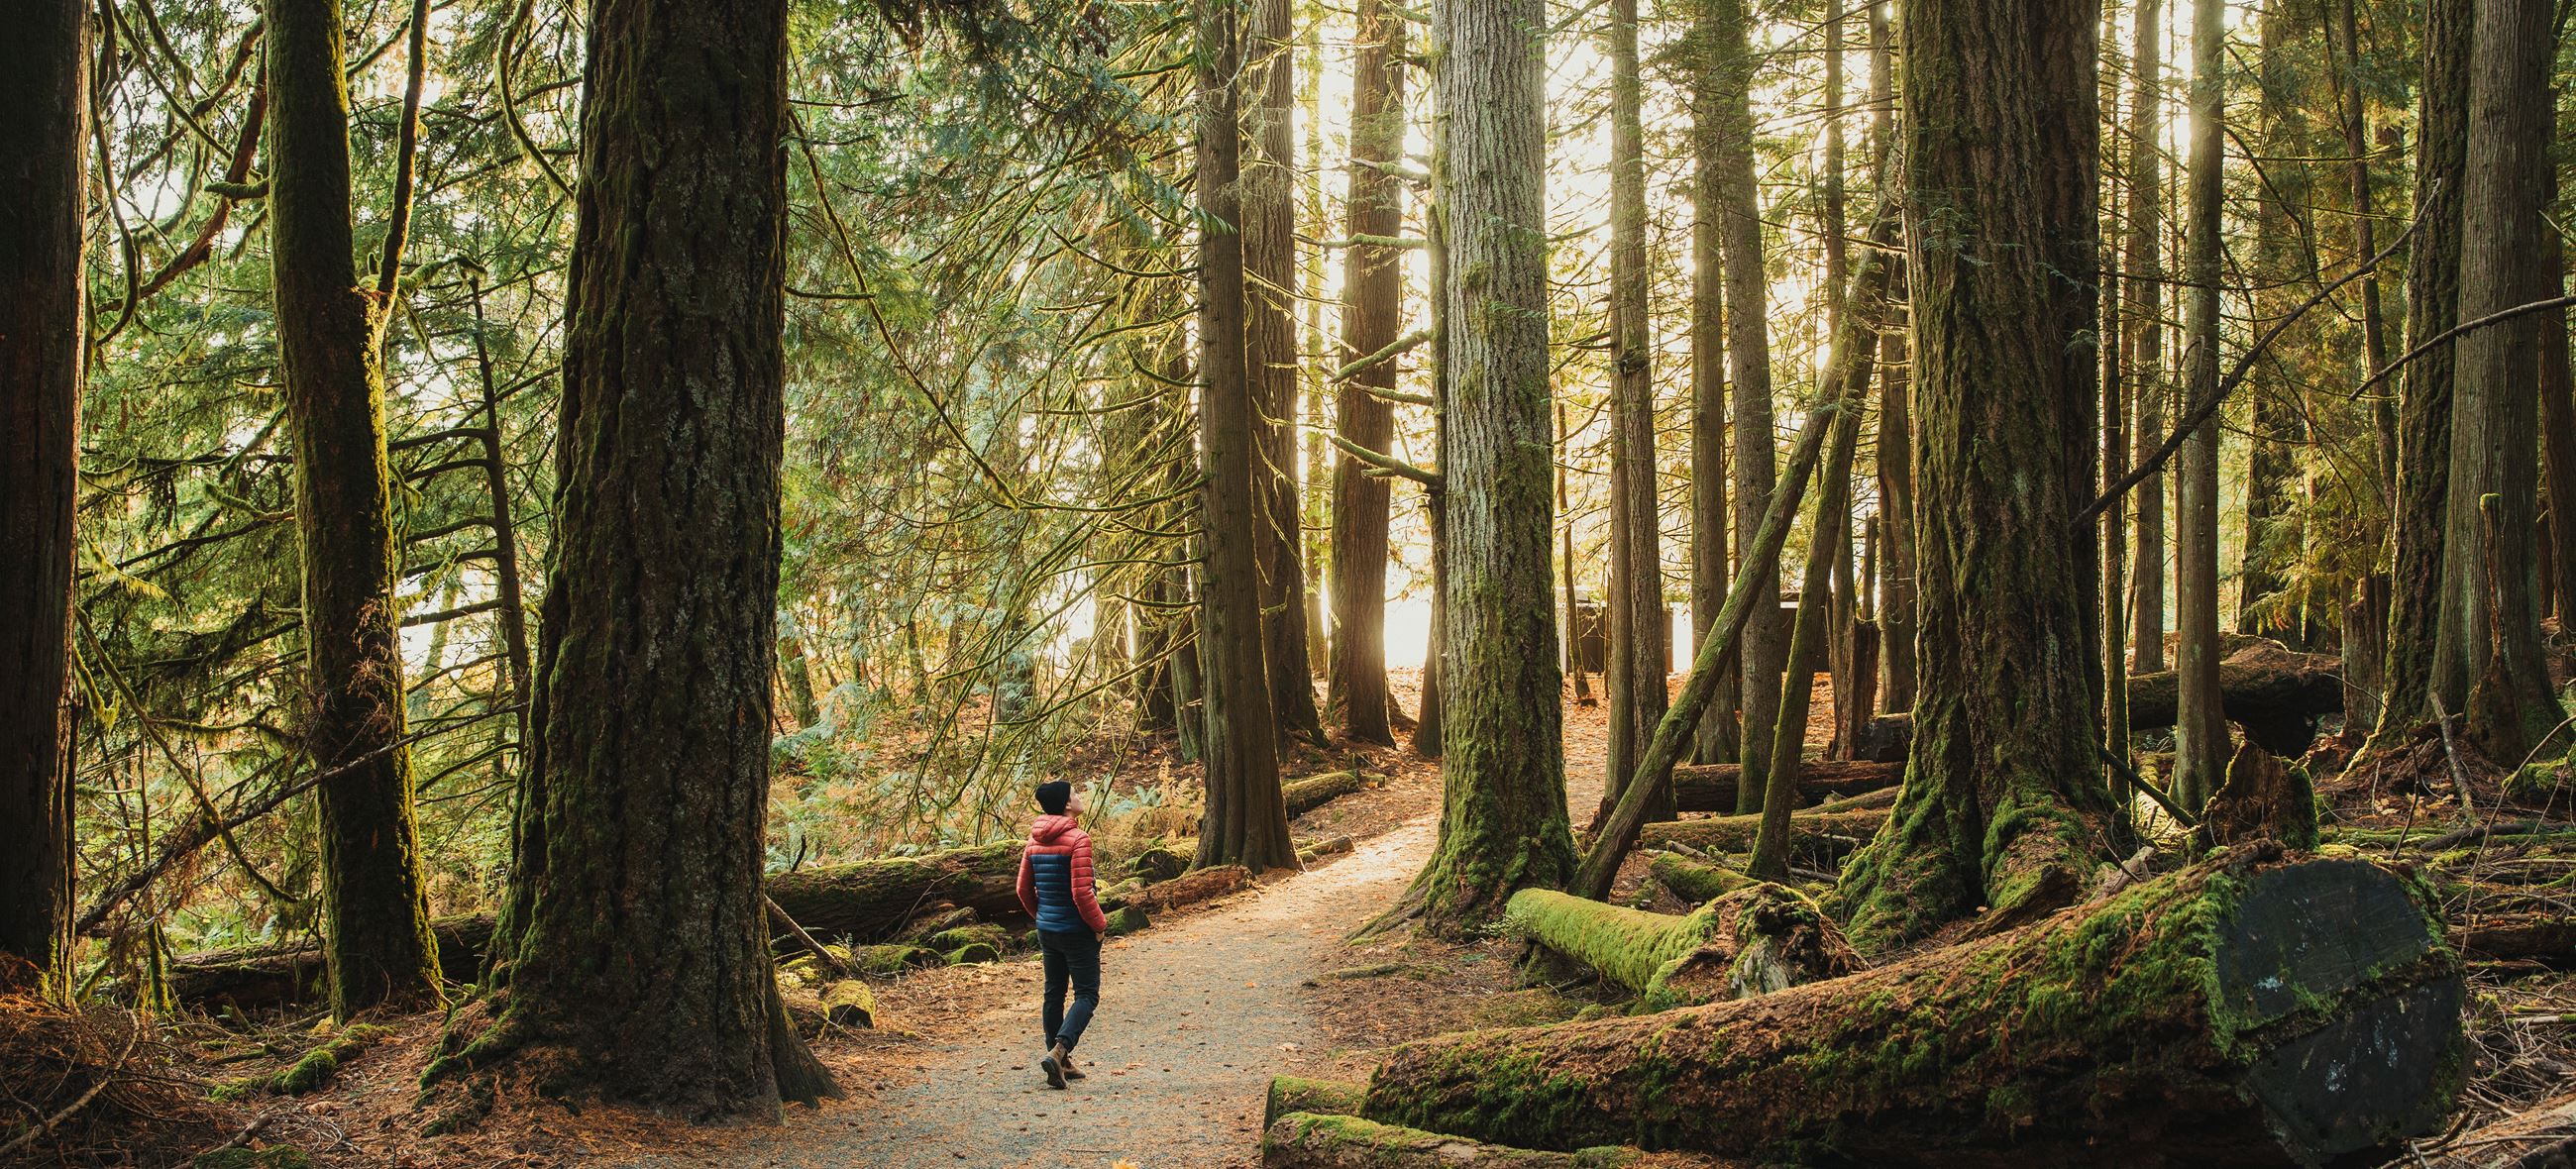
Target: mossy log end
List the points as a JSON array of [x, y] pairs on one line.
[[1693, 881], [1818, 838], [1710, 787], [2250, 1010], [1759, 938], [1305, 1141], [865, 899], [1314, 1097], [1315, 791]]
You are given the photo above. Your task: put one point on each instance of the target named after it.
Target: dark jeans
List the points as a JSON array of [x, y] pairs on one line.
[[1070, 957]]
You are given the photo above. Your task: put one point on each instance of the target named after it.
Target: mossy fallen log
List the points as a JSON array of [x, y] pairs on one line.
[[1759, 938], [865, 899], [1308, 854], [2538, 937], [849, 1003], [1189, 888], [1693, 881], [1710, 787], [2274, 693], [1314, 1097], [2255, 1009], [1315, 791], [1822, 839], [1302, 1140], [1126, 919]]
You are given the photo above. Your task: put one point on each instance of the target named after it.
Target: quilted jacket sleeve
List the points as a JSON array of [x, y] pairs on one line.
[[1083, 899], [1028, 886]]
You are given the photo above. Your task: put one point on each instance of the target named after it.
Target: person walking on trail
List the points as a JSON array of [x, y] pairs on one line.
[[1056, 889]]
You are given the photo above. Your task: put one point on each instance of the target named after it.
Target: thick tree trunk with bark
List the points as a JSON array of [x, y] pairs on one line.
[[1503, 815], [2247, 1011], [2144, 343], [632, 959], [2488, 644], [2424, 398], [1268, 183], [1245, 822], [1748, 345], [2558, 442], [1752, 940], [1636, 677], [1718, 735], [2004, 804], [373, 913], [2200, 725], [44, 152], [1373, 292]]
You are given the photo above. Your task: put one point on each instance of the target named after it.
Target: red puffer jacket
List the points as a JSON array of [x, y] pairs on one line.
[[1055, 877]]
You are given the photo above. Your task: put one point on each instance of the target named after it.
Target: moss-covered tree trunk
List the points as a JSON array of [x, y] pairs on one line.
[[1635, 679], [1748, 351], [1749, 940], [1245, 822], [2245, 1012], [2490, 630], [2424, 395], [632, 959], [374, 918], [2200, 725], [1373, 310], [1717, 737], [1503, 817], [2004, 805], [44, 94], [1267, 92]]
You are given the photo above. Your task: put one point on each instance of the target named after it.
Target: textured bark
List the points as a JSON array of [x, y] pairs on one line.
[[2489, 638], [1635, 680], [2246, 1012], [1717, 738], [2424, 398], [2200, 725], [2557, 445], [1245, 822], [1710, 787], [1815, 839], [2291, 32], [1748, 941], [2004, 804], [373, 913], [1897, 605], [1373, 308], [632, 957], [44, 95], [1267, 90], [1300, 1140], [2144, 344], [2276, 697], [1503, 814], [1748, 351]]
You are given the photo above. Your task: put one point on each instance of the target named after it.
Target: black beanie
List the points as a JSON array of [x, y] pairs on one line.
[[1053, 795]]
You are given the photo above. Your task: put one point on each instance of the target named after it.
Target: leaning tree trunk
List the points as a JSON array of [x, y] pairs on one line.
[[1373, 283], [2490, 610], [2004, 804], [374, 916], [1748, 342], [1635, 679], [2200, 726], [2247, 1011], [1503, 814], [1245, 822], [632, 959], [2424, 398], [1268, 198], [44, 88]]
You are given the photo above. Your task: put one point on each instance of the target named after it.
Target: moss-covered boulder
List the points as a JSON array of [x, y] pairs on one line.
[[1158, 862], [973, 953], [1126, 919]]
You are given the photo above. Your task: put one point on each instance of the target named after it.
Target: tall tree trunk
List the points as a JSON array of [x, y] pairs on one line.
[[44, 95], [2003, 805], [2285, 266], [2365, 629], [1896, 613], [1269, 198], [375, 921], [2490, 606], [1636, 677], [1748, 344], [632, 957], [2558, 441], [1716, 738], [1246, 822], [1571, 638], [1840, 635], [1373, 309], [2200, 725], [2424, 398], [2145, 344], [1503, 815]]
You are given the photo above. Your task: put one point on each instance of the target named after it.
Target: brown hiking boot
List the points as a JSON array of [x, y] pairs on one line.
[[1052, 1063], [1064, 1059]]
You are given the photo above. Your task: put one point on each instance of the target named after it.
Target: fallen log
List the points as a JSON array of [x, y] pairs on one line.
[[2251, 1010], [865, 899], [1710, 787], [1757, 939], [1820, 838], [1302, 1140], [1313, 1097], [2274, 693], [1189, 888], [1315, 791], [2539, 937], [1693, 881]]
